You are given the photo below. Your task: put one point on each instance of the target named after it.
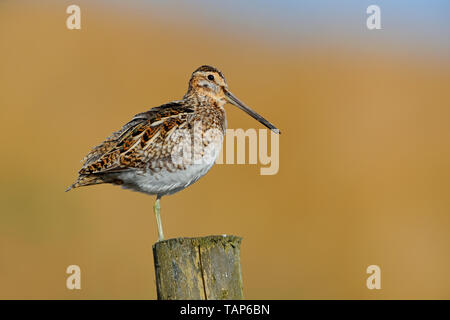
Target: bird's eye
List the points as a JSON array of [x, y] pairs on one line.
[[211, 77]]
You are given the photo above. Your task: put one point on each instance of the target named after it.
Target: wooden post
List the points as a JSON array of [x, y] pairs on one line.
[[206, 268]]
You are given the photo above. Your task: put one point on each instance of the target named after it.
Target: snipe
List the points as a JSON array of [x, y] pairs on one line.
[[167, 148]]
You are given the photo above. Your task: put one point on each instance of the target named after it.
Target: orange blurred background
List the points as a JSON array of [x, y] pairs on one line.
[[364, 172]]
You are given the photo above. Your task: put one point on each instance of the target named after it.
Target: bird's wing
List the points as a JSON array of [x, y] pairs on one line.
[[128, 147]]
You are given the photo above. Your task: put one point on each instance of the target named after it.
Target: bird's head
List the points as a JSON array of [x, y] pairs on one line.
[[209, 82]]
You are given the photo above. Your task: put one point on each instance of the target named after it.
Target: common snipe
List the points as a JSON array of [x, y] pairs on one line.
[[167, 148]]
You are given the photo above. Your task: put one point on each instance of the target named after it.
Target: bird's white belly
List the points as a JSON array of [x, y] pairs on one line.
[[168, 181]]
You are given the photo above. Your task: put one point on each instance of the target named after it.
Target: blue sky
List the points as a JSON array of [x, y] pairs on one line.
[[417, 24]]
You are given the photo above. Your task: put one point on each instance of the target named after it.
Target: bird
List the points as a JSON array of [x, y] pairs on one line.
[[167, 148]]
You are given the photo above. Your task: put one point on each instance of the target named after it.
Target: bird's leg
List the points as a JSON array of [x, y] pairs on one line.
[[156, 208]]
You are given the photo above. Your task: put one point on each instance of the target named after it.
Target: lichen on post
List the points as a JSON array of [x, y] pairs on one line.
[[206, 268]]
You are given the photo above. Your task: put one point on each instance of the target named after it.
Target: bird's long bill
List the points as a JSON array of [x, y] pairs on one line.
[[235, 101]]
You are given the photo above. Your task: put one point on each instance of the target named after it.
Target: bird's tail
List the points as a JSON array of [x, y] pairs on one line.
[[86, 180]]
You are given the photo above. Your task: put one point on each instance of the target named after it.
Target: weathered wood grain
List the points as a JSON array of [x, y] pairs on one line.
[[206, 268]]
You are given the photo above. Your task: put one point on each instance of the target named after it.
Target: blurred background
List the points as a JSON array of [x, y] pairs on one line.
[[364, 173]]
